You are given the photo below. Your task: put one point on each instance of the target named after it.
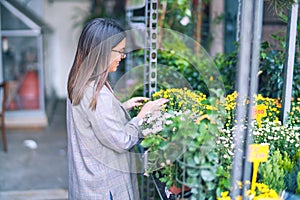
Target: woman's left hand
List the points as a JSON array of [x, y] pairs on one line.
[[133, 102]]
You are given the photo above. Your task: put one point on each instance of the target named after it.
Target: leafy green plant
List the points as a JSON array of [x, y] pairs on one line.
[[184, 149], [294, 115], [227, 65], [273, 171], [273, 58], [183, 66], [271, 72], [223, 177], [292, 179], [200, 161], [271, 63]]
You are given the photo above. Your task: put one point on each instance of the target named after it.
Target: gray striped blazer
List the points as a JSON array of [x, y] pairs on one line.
[[100, 149]]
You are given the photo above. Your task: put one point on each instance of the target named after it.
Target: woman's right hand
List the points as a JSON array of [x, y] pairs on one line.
[[152, 106]]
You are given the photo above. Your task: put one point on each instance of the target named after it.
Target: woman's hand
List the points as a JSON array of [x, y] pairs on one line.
[[133, 102], [152, 106]]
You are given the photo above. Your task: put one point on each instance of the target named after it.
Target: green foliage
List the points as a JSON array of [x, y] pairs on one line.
[[167, 174], [294, 115], [227, 64], [175, 11], [271, 72], [180, 65], [185, 149], [272, 62], [292, 179], [200, 161], [271, 67], [183, 66], [273, 171], [223, 177]]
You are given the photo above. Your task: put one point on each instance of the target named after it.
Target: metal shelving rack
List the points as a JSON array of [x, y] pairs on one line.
[[147, 22], [150, 56]]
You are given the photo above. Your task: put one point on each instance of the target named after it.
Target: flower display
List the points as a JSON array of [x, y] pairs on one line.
[[282, 137], [294, 115], [181, 138], [262, 192], [191, 121]]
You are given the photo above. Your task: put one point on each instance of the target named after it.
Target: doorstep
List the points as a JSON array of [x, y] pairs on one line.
[[26, 121], [55, 194]]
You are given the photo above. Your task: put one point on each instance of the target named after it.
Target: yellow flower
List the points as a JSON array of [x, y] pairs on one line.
[[224, 194], [259, 97], [209, 107], [239, 198], [240, 184]]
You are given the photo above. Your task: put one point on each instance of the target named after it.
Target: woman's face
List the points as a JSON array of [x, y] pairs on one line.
[[116, 55]]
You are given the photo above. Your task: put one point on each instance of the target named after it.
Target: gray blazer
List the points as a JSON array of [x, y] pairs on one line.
[[100, 156]]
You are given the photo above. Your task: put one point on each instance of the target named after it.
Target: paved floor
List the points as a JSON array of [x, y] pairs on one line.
[[36, 162]]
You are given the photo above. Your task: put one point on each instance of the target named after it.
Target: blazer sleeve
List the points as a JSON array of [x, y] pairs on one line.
[[111, 126]]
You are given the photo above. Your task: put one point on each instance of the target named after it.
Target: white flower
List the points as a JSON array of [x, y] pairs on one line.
[[182, 119], [146, 131], [168, 122], [157, 129], [296, 128], [230, 152], [159, 123], [184, 21], [167, 115], [222, 138], [168, 162], [255, 133], [177, 113], [149, 120], [270, 137]]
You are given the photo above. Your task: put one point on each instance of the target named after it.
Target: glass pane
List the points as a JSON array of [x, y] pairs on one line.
[[20, 69], [10, 22], [135, 4]]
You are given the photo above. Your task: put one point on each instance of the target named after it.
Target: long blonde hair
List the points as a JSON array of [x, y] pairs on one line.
[[91, 63]]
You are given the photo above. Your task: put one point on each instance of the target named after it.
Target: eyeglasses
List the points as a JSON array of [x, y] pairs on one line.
[[123, 55]]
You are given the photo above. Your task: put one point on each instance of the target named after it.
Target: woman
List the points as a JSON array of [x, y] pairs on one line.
[[101, 133]]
